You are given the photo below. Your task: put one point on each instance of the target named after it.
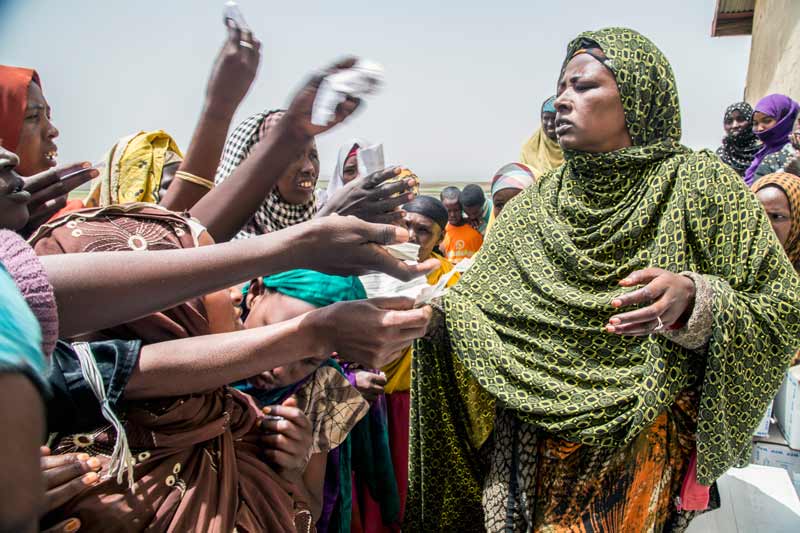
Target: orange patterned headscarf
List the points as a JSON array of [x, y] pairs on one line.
[[14, 82], [790, 185]]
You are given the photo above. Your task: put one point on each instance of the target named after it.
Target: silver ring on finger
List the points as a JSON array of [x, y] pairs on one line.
[[246, 44], [660, 325]]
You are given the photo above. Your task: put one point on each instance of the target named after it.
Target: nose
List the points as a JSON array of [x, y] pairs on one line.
[[308, 166], [236, 296], [52, 131], [562, 103]]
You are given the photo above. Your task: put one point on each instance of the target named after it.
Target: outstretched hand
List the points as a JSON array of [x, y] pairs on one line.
[[234, 70], [350, 246], [298, 116], [49, 190], [370, 198], [371, 332], [670, 297]]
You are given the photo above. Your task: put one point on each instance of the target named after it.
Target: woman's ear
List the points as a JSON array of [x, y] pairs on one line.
[[255, 290]]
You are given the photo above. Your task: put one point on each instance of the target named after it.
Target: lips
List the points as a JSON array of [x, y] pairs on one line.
[[305, 183], [562, 126], [51, 156]]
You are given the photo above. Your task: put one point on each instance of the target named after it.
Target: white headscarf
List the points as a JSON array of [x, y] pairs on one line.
[[337, 180]]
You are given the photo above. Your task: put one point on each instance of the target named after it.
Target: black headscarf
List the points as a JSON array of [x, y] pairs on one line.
[[429, 207], [739, 149]]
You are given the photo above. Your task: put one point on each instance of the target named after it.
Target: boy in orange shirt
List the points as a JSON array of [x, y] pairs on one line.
[[461, 241]]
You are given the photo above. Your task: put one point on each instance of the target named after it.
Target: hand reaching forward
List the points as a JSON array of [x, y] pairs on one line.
[[370, 332], [370, 198], [347, 245]]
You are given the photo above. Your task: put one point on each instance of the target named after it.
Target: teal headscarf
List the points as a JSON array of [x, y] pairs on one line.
[[548, 106], [20, 335], [316, 288]]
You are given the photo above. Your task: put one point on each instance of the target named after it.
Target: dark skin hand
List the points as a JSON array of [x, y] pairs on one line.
[[370, 384], [224, 210], [670, 297], [368, 198], [792, 165], [49, 191], [231, 77], [67, 475], [287, 442], [372, 314]]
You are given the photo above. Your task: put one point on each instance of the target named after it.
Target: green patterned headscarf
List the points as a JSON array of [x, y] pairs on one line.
[[526, 322]]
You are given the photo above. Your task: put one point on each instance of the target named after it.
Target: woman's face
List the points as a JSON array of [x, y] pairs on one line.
[[735, 123], [424, 232], [762, 122], [350, 169], [776, 204], [297, 184], [549, 125], [270, 307], [13, 200], [502, 197], [36, 150], [589, 114]]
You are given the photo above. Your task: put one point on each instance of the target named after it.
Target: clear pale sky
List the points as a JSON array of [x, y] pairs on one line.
[[464, 79]]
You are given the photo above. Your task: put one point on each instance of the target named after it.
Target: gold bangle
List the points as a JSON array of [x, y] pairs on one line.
[[197, 180]]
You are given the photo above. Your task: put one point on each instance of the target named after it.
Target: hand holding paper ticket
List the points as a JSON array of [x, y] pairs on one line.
[[380, 285], [232, 12], [362, 79]]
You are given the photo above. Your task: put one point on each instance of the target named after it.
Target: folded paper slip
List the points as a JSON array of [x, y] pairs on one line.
[[382, 285], [406, 251], [362, 79]]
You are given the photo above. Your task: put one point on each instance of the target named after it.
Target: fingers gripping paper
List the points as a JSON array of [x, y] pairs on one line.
[[383, 285], [362, 79]]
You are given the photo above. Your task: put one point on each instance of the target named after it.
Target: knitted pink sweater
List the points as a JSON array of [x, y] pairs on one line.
[[28, 273]]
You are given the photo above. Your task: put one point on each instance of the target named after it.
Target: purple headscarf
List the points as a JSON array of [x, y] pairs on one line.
[[784, 110]]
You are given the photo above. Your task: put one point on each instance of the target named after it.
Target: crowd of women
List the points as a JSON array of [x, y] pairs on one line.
[[190, 346]]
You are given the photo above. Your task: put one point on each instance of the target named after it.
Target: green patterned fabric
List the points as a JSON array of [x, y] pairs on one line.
[[526, 321]]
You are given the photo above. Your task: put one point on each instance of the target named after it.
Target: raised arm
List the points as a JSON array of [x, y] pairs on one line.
[[231, 204], [231, 77], [103, 289]]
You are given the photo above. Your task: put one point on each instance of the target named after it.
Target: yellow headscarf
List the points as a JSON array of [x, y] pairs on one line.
[[541, 153], [132, 169]]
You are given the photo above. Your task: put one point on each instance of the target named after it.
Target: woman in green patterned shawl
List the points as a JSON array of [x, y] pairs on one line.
[[555, 395]]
